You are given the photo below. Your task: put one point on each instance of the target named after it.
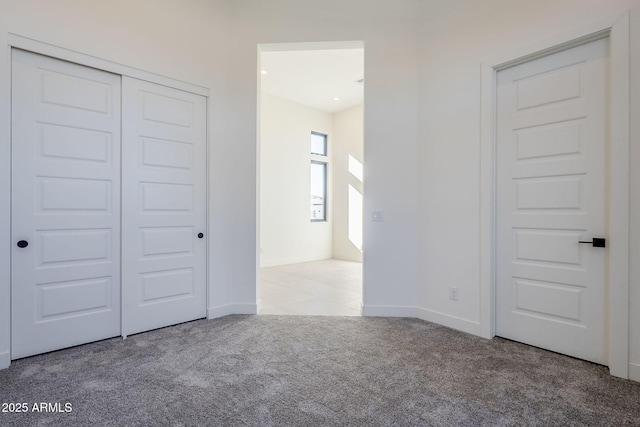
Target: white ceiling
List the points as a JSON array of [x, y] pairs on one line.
[[315, 77]]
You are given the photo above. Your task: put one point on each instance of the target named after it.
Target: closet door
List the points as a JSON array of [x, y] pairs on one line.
[[163, 206], [65, 201]]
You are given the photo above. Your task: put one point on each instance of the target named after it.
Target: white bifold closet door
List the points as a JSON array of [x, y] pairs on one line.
[[108, 205], [163, 206], [65, 196]]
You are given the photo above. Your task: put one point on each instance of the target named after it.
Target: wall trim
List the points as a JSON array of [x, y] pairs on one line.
[[433, 316], [453, 322], [290, 46], [58, 52], [225, 310], [5, 202], [634, 371], [615, 27], [388, 311]]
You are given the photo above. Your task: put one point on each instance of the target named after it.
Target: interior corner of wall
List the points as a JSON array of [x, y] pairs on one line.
[[219, 311], [226, 310], [250, 308], [634, 371], [453, 322]]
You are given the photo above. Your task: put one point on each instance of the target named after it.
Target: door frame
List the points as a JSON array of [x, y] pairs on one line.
[[616, 28], [283, 47], [9, 41]]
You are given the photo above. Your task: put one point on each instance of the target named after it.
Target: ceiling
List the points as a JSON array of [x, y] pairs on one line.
[[315, 78]]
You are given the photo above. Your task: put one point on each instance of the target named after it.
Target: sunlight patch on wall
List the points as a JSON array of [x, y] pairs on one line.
[[355, 217], [356, 168]]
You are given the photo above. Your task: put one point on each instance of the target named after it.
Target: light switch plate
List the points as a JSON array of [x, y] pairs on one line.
[[376, 215]]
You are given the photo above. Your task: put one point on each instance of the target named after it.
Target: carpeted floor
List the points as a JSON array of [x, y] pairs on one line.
[[314, 371]]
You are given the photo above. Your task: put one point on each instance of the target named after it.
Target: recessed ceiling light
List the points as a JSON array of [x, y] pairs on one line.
[[336, 99], [263, 72]]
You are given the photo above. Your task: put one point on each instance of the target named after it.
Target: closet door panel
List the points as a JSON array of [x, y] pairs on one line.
[[65, 278], [163, 206]]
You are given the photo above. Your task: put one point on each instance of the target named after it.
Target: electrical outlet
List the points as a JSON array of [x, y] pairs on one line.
[[454, 293]]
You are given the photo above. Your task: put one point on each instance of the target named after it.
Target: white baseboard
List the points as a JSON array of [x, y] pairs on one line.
[[447, 320], [388, 311], [634, 371], [5, 360], [225, 310]]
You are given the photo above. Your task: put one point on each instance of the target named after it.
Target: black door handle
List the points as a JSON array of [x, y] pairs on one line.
[[597, 242], [200, 235], [23, 244]]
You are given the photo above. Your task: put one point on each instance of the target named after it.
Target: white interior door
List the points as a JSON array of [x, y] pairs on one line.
[[551, 181], [163, 206], [65, 277]]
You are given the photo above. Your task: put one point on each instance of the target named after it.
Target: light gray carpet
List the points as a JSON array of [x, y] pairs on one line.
[[315, 371]]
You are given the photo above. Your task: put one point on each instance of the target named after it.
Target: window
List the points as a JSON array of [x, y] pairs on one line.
[[318, 177], [318, 144], [318, 191]]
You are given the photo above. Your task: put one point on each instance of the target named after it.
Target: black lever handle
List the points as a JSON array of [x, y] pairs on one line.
[[23, 244], [597, 242]]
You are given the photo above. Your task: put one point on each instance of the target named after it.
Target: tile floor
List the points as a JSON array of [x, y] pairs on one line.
[[319, 288]]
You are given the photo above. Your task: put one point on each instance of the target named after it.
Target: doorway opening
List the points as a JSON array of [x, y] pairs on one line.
[[310, 178]]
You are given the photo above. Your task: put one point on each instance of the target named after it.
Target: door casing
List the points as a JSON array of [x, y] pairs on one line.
[[616, 28]]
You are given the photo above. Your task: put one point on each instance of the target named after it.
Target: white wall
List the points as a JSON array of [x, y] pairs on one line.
[[348, 140], [287, 235], [389, 32]]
